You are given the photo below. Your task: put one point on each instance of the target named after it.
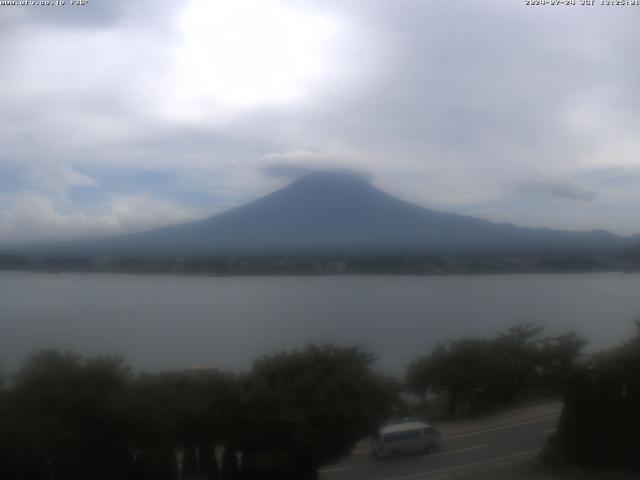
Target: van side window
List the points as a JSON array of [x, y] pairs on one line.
[[398, 436]]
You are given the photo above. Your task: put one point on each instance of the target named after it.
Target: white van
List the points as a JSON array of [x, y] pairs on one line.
[[393, 441]]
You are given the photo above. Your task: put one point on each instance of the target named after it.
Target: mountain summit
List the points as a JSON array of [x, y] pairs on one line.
[[342, 213]]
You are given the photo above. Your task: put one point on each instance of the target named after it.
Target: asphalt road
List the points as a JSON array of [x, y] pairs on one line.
[[462, 453]]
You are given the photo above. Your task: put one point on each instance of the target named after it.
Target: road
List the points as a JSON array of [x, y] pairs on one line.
[[463, 452]]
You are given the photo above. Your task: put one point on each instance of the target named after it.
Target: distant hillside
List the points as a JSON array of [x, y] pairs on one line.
[[329, 212]]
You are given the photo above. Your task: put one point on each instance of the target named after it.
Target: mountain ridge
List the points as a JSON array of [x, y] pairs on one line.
[[337, 213]]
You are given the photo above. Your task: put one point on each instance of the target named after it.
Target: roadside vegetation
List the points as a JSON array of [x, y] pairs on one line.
[[64, 416], [70, 418], [600, 423], [472, 375]]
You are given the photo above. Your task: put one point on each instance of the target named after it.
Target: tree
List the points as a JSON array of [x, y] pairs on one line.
[[600, 422], [152, 406], [467, 371], [230, 468], [518, 348], [478, 373], [558, 358], [187, 410], [307, 408], [67, 417]]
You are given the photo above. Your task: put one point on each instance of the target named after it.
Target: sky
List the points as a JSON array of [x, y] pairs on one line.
[[122, 115]]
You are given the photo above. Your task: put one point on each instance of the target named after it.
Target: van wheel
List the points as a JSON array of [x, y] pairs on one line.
[[432, 448], [395, 454]]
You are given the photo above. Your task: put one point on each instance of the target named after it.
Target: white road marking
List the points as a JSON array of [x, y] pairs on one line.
[[335, 469], [545, 432], [452, 452], [502, 427], [468, 465]]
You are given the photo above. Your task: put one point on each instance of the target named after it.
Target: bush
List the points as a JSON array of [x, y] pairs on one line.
[[476, 374]]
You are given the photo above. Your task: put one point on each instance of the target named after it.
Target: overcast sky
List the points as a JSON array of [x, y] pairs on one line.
[[125, 115]]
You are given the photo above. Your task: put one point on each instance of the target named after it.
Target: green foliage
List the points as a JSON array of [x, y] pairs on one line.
[[600, 423], [73, 418], [558, 359], [474, 374], [184, 411], [66, 417], [468, 372], [310, 407]]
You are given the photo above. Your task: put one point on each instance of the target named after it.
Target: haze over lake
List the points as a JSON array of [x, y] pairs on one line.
[[158, 322]]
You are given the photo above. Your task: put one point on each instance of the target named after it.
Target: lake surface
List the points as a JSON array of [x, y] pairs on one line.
[[157, 322]]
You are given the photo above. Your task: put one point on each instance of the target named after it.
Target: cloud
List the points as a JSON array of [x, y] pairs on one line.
[[57, 178], [30, 217], [48, 176], [449, 105], [555, 187], [613, 178], [95, 14], [297, 163]]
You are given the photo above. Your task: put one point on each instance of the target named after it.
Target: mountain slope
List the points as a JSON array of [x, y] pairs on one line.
[[327, 212]]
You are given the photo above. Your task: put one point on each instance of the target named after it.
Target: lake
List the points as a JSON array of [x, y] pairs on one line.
[[158, 322]]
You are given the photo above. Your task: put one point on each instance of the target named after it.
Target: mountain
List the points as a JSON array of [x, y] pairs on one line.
[[331, 212]]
